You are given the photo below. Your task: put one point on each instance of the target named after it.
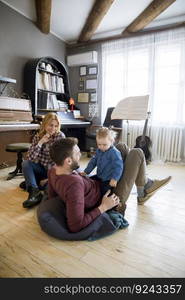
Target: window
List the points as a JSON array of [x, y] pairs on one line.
[[167, 84], [152, 64]]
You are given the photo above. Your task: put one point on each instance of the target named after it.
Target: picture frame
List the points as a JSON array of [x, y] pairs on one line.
[[81, 85], [83, 70], [93, 110], [83, 97], [91, 84], [93, 97], [92, 70]]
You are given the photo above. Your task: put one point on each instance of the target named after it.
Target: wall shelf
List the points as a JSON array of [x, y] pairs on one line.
[[49, 72], [48, 91]]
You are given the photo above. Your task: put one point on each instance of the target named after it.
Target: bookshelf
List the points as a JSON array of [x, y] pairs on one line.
[[47, 85]]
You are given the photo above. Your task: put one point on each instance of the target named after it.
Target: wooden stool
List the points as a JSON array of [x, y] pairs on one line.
[[19, 148]]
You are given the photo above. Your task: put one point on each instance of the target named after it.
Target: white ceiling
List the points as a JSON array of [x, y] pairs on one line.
[[69, 16]]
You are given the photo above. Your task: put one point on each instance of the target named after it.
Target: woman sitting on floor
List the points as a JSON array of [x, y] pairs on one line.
[[38, 159]]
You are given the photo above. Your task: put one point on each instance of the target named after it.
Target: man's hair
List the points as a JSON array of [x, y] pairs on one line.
[[104, 132], [62, 149]]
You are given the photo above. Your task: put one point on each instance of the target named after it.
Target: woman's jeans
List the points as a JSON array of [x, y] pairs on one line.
[[33, 173]]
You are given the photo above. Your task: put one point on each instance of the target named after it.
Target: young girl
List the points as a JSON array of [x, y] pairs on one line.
[[38, 159], [107, 159]]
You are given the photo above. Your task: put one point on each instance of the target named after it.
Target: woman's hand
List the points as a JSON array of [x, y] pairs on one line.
[[44, 139], [108, 202]]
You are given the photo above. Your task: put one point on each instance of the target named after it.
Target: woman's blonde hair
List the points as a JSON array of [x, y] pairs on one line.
[[104, 132], [47, 119]]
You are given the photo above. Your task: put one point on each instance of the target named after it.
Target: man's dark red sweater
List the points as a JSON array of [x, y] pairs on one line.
[[80, 194]]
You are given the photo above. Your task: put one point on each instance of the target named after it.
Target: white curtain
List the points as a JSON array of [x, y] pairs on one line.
[[151, 64]]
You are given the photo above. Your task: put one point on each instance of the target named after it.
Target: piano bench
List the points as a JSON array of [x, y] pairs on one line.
[[19, 148]]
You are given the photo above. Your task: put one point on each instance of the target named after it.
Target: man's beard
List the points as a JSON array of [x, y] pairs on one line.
[[74, 165]]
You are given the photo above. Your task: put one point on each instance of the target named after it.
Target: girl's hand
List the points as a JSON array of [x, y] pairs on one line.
[[113, 183]]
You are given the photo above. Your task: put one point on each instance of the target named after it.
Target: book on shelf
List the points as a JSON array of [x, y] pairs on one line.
[[50, 82], [63, 106], [50, 101], [42, 100], [60, 85], [54, 101], [43, 81]]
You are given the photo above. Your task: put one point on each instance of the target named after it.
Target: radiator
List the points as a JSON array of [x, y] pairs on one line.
[[166, 141]]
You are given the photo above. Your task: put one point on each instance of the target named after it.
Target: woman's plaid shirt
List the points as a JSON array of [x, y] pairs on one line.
[[40, 154]]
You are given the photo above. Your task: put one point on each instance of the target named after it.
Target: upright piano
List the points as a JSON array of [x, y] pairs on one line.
[[73, 127], [15, 126]]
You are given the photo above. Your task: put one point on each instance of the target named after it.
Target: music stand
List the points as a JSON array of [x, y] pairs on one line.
[[131, 108]]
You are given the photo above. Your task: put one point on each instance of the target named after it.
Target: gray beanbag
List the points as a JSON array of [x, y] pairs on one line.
[[52, 219]]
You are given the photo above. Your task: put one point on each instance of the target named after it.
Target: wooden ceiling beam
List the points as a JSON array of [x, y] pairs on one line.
[[97, 13], [155, 8], [134, 34], [43, 12]]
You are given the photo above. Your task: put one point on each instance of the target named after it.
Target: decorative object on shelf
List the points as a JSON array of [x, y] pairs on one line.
[[49, 68], [83, 71], [93, 97], [93, 70], [83, 97], [91, 84], [71, 104], [43, 65]]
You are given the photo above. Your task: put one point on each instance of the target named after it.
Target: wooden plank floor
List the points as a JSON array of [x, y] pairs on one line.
[[152, 246]]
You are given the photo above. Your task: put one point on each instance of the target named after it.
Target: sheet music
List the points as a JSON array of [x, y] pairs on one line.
[[131, 108], [11, 103]]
